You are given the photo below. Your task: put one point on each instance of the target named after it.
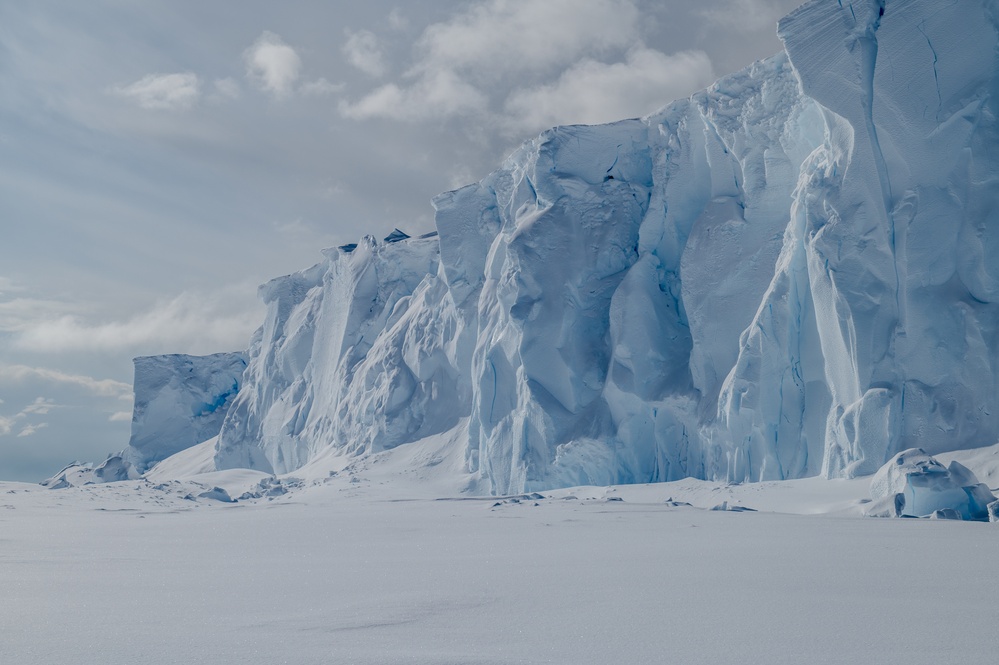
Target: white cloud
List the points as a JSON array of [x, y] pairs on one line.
[[167, 92], [434, 95], [592, 92], [364, 52], [320, 88], [101, 387], [498, 37], [28, 430], [191, 323], [273, 64], [463, 60], [19, 313], [120, 417], [40, 406]]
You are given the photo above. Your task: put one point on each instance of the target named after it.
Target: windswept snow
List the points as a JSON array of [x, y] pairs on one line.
[[367, 566]]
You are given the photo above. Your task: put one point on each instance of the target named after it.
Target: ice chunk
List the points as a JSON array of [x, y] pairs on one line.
[[113, 469], [216, 494], [396, 236], [180, 401], [926, 486]]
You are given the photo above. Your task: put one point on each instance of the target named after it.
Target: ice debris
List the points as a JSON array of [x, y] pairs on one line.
[[914, 484], [216, 494], [114, 468]]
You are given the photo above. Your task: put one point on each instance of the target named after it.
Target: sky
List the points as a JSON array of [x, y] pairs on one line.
[[161, 159]]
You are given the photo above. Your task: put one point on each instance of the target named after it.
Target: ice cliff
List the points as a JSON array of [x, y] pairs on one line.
[[180, 401], [791, 273]]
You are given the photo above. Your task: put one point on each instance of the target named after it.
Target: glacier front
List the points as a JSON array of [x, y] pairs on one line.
[[791, 273]]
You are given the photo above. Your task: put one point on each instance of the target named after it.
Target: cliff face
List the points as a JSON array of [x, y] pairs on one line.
[[180, 401], [791, 273]]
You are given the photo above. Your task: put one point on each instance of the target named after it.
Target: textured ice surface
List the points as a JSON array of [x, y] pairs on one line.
[[350, 356], [789, 274], [180, 401]]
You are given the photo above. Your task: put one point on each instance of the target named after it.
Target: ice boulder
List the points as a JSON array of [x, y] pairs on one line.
[[915, 484], [76, 474], [180, 401]]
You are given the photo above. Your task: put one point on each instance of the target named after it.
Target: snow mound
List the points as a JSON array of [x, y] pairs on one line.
[[115, 468], [914, 484]]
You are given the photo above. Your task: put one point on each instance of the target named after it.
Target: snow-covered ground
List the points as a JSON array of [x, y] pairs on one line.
[[379, 564]]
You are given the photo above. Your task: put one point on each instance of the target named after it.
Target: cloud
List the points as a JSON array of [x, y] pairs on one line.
[[593, 92], [191, 322], [272, 64], [28, 430], [494, 40], [434, 95], [364, 52], [100, 387], [19, 313], [509, 36], [120, 417], [40, 407], [166, 92], [320, 88]]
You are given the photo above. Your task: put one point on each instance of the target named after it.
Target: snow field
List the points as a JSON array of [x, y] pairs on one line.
[[350, 573]]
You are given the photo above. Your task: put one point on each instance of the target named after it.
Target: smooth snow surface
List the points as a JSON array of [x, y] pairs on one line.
[[787, 275], [369, 566]]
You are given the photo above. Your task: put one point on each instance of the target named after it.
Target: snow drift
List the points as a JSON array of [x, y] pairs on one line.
[[789, 274]]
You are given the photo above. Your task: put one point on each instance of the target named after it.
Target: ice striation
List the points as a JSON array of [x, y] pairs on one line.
[[789, 274]]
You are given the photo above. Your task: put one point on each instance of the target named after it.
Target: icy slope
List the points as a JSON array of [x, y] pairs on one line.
[[789, 274]]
